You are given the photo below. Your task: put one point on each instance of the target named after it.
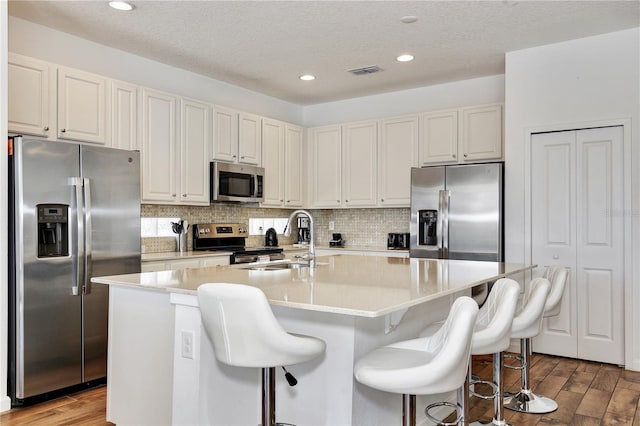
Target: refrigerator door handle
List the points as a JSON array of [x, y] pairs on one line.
[[86, 288], [77, 259], [444, 213]]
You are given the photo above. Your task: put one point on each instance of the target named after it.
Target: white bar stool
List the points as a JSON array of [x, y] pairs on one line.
[[426, 365], [491, 335], [245, 333], [525, 401]]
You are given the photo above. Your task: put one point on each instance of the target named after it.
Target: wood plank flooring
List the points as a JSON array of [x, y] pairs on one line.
[[588, 394]]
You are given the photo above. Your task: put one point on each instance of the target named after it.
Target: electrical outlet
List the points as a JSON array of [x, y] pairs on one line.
[[187, 344], [332, 225]]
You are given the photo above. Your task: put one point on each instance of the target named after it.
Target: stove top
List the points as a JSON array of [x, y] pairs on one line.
[[231, 237]]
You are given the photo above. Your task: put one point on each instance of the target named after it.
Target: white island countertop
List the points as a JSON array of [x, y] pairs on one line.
[[365, 286]]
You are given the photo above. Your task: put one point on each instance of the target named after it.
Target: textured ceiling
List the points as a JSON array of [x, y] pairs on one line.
[[265, 45]]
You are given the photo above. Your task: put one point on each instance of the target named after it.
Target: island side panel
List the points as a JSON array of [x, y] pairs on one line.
[[140, 357]]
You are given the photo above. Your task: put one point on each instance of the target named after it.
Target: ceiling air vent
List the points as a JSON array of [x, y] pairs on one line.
[[365, 70]]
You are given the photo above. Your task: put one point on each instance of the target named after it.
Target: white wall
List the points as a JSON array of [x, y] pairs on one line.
[[557, 86], [40, 42], [4, 400], [476, 91]]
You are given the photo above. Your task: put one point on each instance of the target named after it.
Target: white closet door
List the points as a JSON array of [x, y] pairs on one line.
[[600, 245], [577, 222], [553, 232]]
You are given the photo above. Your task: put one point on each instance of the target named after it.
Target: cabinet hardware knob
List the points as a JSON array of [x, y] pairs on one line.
[[382, 199], [465, 156], [184, 195], [173, 195], [242, 158], [63, 130], [454, 156], [234, 156], [46, 128], [556, 257], [337, 201], [288, 201], [346, 201]]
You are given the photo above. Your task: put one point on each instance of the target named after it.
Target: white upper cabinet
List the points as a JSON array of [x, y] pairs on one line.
[[29, 96], [326, 166], [175, 149], [159, 147], [439, 137], [124, 115], [282, 162], [359, 146], [225, 134], [481, 132], [82, 100], [194, 152], [460, 136], [237, 136], [249, 139], [397, 153], [273, 162], [293, 176]]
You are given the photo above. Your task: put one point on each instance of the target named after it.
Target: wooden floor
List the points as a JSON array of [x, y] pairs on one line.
[[588, 393]]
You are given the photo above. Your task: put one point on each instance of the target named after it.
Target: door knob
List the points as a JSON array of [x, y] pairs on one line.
[[556, 257]]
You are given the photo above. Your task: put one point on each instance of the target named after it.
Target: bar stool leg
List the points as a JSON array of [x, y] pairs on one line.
[[525, 401], [268, 396], [463, 397], [498, 402], [408, 410]]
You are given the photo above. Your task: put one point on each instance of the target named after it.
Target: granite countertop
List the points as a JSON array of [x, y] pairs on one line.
[[368, 286]]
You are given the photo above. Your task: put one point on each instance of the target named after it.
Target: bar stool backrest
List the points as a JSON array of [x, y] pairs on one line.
[[557, 276]]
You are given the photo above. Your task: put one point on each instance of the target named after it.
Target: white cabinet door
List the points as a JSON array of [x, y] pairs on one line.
[[273, 162], [577, 190], [214, 261], [29, 95], [481, 132], [359, 157], [397, 153], [81, 106], [194, 152], [159, 148], [439, 137], [326, 178], [249, 139], [124, 118], [225, 134], [293, 178], [183, 264]]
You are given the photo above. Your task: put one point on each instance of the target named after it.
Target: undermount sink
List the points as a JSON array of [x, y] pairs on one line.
[[281, 266]]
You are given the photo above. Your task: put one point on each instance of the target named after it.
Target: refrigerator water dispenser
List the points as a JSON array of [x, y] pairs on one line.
[[427, 227], [53, 235]]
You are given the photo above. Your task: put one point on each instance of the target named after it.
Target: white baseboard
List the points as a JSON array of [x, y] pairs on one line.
[[5, 403]]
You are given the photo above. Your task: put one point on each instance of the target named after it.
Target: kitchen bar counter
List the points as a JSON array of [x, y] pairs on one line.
[[162, 369], [368, 286]]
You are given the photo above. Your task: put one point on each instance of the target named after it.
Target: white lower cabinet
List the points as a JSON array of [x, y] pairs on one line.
[[175, 164]]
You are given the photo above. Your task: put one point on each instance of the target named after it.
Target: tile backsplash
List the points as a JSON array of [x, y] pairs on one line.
[[359, 227]]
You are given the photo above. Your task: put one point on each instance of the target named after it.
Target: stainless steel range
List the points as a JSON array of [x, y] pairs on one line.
[[232, 237]]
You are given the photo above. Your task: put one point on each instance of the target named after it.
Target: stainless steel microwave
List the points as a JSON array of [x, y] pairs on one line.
[[236, 182]]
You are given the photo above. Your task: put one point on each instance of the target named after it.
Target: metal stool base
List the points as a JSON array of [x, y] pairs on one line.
[[439, 422], [529, 402], [494, 422]]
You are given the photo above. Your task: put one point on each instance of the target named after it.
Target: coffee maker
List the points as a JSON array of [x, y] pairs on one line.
[[303, 230]]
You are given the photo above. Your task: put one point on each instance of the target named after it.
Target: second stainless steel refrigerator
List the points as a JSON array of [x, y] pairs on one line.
[[457, 212], [74, 214]]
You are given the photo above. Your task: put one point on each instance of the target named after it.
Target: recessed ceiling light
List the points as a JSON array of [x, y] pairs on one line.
[[121, 5], [409, 19], [307, 77], [404, 58]]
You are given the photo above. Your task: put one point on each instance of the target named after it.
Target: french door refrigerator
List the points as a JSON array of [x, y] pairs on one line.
[[74, 213], [457, 212]]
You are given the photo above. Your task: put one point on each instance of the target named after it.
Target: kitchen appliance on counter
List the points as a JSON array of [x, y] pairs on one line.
[[236, 182], [398, 241], [231, 237], [271, 238], [457, 212], [74, 213], [303, 230], [336, 240]]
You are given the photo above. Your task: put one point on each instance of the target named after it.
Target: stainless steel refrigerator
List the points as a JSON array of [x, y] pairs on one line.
[[457, 212], [74, 213]]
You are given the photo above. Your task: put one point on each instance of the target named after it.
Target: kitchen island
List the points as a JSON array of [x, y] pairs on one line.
[[161, 365]]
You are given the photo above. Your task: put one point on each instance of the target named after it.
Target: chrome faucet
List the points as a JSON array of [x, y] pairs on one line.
[[287, 232]]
